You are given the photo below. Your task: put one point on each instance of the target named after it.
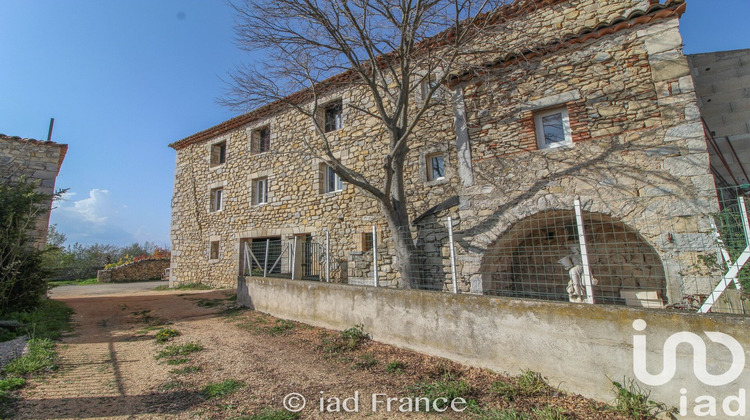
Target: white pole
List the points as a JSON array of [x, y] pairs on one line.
[[584, 253], [293, 257], [376, 281], [265, 260], [328, 257], [453, 255]]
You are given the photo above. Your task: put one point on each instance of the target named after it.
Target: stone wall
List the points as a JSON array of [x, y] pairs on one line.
[[33, 161], [638, 156], [151, 269]]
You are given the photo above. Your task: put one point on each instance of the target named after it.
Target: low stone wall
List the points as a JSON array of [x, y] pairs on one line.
[[578, 347], [136, 271]]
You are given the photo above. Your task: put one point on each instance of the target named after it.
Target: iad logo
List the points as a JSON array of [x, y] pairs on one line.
[[699, 357]]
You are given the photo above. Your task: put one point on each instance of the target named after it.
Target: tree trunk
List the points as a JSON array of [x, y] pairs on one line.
[[407, 259]]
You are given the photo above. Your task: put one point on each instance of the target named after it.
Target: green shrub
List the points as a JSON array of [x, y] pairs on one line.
[[395, 367], [12, 383], [633, 401], [347, 340]]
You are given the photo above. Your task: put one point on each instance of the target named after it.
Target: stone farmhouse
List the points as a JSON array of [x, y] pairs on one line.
[[587, 100], [34, 161]]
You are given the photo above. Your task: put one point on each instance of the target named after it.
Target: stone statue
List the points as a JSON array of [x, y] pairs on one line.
[[573, 263]]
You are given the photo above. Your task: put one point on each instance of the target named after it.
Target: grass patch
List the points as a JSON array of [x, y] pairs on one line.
[[149, 328], [259, 325], [11, 384], [633, 401], [39, 358], [271, 414], [347, 340], [186, 370], [528, 384], [188, 286], [446, 389], [78, 282], [221, 389], [49, 320], [549, 413], [166, 334], [395, 367], [179, 350]]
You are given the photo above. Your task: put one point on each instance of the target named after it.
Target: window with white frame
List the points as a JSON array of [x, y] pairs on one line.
[[218, 153], [217, 199], [333, 116], [260, 191], [435, 165], [330, 180], [553, 128]]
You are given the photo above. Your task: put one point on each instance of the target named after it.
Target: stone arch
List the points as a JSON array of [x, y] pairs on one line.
[[524, 261]]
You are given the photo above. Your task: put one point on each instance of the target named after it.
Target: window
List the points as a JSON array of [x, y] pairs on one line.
[[333, 116], [217, 199], [214, 254], [428, 84], [435, 167], [218, 153], [260, 191], [331, 181], [553, 128], [366, 241], [261, 140]]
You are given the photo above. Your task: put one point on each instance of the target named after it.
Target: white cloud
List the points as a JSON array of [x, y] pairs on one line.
[[98, 208], [92, 219]]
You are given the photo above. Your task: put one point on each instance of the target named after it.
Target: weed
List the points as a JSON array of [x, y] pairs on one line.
[[507, 390], [147, 329], [40, 357], [281, 327], [508, 414], [271, 414], [549, 413], [221, 389], [179, 350], [177, 361], [347, 340], [447, 390], [166, 334], [209, 303], [531, 383], [366, 362], [10, 384], [395, 367], [166, 386], [632, 400], [186, 370]]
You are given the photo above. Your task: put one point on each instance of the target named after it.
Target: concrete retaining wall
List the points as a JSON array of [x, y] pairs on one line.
[[136, 271], [576, 346]]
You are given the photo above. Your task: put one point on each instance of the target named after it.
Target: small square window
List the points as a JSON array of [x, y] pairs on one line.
[[553, 128], [214, 254], [333, 114], [428, 84], [260, 191], [435, 167], [218, 153], [331, 181], [217, 199], [261, 140]]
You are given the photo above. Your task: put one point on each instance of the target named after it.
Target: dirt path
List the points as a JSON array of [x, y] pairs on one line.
[[108, 368]]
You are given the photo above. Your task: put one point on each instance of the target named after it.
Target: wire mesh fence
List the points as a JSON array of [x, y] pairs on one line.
[[656, 251]]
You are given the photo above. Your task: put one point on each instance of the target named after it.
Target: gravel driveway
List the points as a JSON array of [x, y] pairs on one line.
[[105, 289]]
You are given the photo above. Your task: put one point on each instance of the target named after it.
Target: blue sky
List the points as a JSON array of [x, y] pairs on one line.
[[125, 78]]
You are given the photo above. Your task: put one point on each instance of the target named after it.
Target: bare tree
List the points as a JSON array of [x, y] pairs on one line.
[[389, 49]]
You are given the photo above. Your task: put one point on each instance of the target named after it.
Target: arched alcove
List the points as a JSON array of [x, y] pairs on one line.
[[528, 259]]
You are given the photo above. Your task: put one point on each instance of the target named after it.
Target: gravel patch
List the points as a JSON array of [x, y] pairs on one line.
[[12, 349]]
